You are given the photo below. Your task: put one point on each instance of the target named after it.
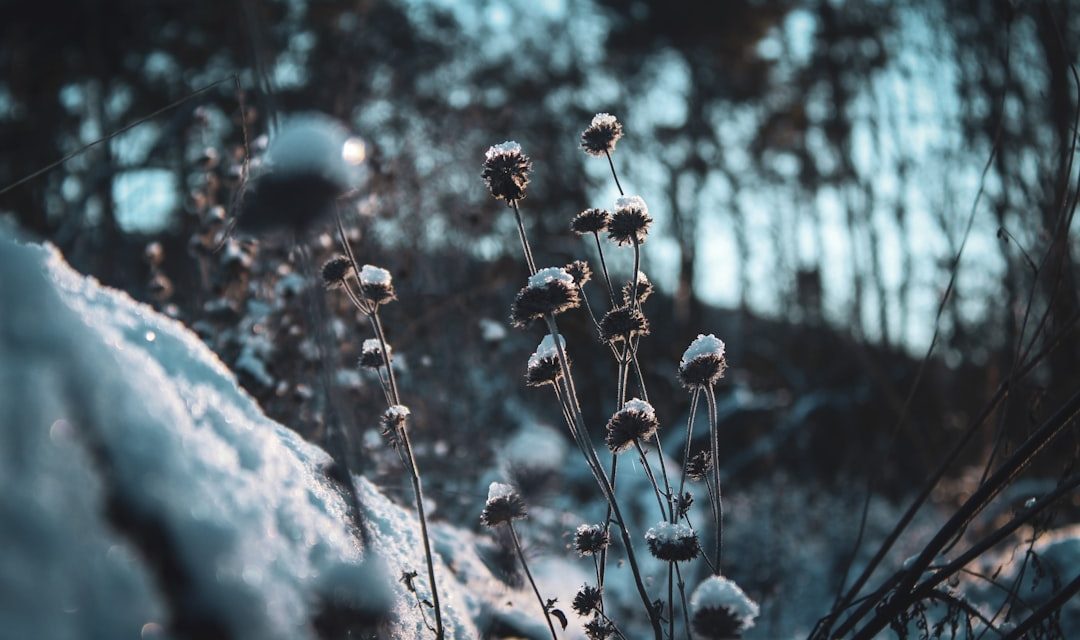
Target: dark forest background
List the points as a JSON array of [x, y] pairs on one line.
[[870, 202]]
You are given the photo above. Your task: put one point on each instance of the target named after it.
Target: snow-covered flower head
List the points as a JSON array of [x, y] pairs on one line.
[[393, 422], [591, 539], [335, 270], [376, 284], [720, 610], [636, 421], [549, 290], [590, 221], [587, 600], [303, 175], [503, 504], [543, 367], [703, 363], [644, 289], [371, 354], [630, 221], [506, 171], [601, 135], [621, 323], [672, 542]]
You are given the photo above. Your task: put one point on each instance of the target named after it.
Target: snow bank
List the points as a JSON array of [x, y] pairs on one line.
[[146, 495]]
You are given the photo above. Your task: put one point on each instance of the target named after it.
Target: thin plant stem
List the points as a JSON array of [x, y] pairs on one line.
[[682, 599], [611, 164], [694, 395], [524, 239], [652, 479], [603, 267], [528, 574], [607, 518], [671, 599], [717, 499]]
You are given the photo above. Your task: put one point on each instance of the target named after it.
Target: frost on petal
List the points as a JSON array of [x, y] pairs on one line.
[[544, 276], [703, 345]]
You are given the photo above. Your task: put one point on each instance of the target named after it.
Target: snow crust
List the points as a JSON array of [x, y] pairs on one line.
[[637, 404], [602, 119], [502, 148], [372, 345], [701, 346], [667, 532], [716, 592], [370, 274], [498, 490], [546, 349], [631, 202], [546, 275]]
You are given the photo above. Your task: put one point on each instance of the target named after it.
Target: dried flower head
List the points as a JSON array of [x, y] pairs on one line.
[[672, 542], [543, 367], [630, 221], [599, 628], [550, 290], [601, 135], [580, 271], [506, 171], [154, 254], [623, 322], [591, 539], [644, 289], [503, 504], [371, 354], [699, 466], [587, 600], [636, 421], [590, 221], [160, 287], [683, 504], [703, 363], [393, 422], [720, 610], [376, 285], [335, 270]]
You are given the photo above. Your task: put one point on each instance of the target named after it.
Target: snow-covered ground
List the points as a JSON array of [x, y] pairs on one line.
[[146, 495]]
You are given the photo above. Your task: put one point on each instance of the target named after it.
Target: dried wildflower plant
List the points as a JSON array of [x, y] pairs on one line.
[[505, 505], [634, 424], [369, 288]]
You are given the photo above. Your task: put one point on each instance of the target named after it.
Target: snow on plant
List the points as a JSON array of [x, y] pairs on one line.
[[504, 505], [368, 291], [721, 610], [634, 424]]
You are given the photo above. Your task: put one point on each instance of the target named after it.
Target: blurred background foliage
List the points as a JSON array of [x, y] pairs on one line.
[[813, 167]]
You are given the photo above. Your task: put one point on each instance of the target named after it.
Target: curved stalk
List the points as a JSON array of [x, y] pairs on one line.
[[528, 574]]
